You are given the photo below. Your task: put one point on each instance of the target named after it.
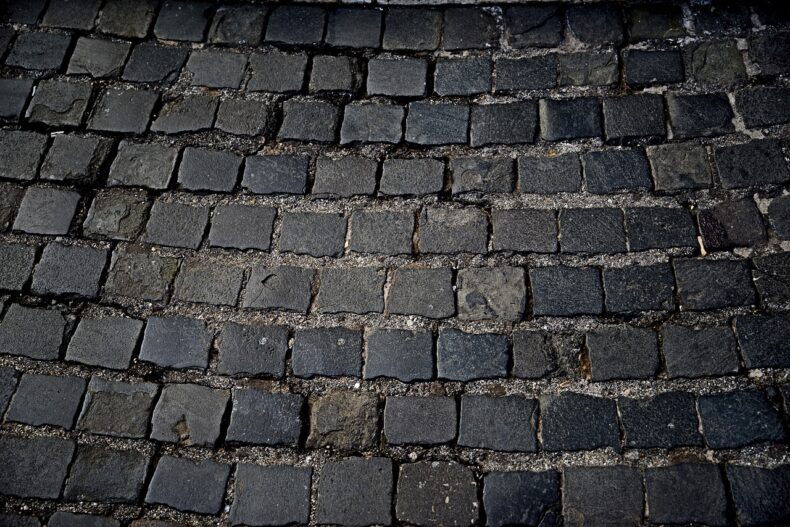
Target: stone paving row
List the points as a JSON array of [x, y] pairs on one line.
[[326, 264]]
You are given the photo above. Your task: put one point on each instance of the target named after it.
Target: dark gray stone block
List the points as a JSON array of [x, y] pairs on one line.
[[465, 356], [521, 498], [566, 291], [16, 264], [176, 342], [107, 342], [142, 165], [359, 290], [46, 400], [622, 352], [344, 420], [436, 493], [194, 486], [686, 493], [287, 490], [69, 270], [382, 232], [274, 71], [32, 332], [491, 293], [739, 418], [106, 475], [273, 174], [176, 224], [397, 76], [398, 353], [639, 288], [116, 214], [34, 467], [315, 233], [205, 169], [330, 352], [140, 274], [402, 177], [116, 408], [252, 350], [188, 414], [355, 492], [242, 227], [699, 352], [265, 418], [423, 292], [286, 287], [59, 102], [440, 123], [152, 63], [344, 177], [505, 423], [421, 420], [550, 174], [586, 501], [713, 284], [560, 418], [667, 420]]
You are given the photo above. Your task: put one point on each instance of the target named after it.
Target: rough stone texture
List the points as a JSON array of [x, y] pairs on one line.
[[117, 408], [668, 420], [499, 423], [287, 490], [464, 356], [521, 497], [177, 342], [359, 290], [107, 341], [32, 332], [420, 420], [285, 288], [404, 355], [344, 420], [725, 416], [491, 293], [252, 350], [561, 415], [188, 414], [438, 493], [102, 474], [686, 493], [46, 400], [622, 353], [585, 500], [187, 485], [35, 467], [355, 491], [265, 418], [331, 352]]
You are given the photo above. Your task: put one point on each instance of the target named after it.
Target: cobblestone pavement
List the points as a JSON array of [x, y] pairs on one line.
[[438, 265]]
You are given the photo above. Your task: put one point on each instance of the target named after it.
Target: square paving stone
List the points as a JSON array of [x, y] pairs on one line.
[[20, 153], [779, 216], [24, 13], [372, 123], [190, 113], [596, 24], [244, 117], [639, 288], [643, 67], [32, 332], [706, 115], [634, 116], [273, 174], [275, 71], [424, 292], [79, 14], [760, 495], [39, 51], [208, 281], [314, 233], [397, 76], [355, 491], [566, 291], [659, 228], [761, 105], [533, 355], [207, 169], [16, 264], [549, 174], [309, 120], [521, 74], [216, 69], [717, 62], [497, 293], [441, 123], [533, 26], [412, 29], [182, 20], [34, 467], [739, 418], [586, 501], [127, 18], [469, 28], [242, 227], [142, 165], [18, 520], [295, 24], [332, 73], [420, 420], [667, 420], [560, 418], [503, 123], [176, 342], [69, 270], [329, 352], [194, 486], [152, 63], [354, 28], [732, 224], [108, 342], [588, 68], [141, 274], [712, 284], [359, 290], [46, 400], [399, 353], [116, 214], [750, 164], [622, 352], [679, 167], [612, 170], [569, 118], [123, 111], [686, 493], [506, 423], [699, 352], [462, 76], [252, 350], [417, 177], [76, 159], [595, 230], [116, 408], [188, 414], [717, 20], [521, 498], [763, 340], [381, 232], [13, 96], [98, 57], [176, 224], [287, 491], [239, 25], [344, 177], [344, 420], [480, 174], [264, 418], [59, 102], [107, 475], [436, 493], [449, 231], [464, 356], [655, 22], [285, 287]]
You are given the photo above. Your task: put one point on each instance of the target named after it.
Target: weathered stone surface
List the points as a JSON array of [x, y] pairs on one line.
[[524, 498], [330, 352], [586, 501], [107, 475], [355, 492], [497, 293], [265, 418], [399, 353], [176, 342], [286, 287], [252, 350], [196, 486], [561, 415], [760, 495], [108, 341], [686, 493], [359, 290], [465, 356], [34, 467], [739, 418], [46, 400], [116, 214], [344, 420], [117, 408], [32, 332], [422, 420], [287, 490], [668, 420], [188, 414], [141, 274], [372, 123], [498, 423]]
